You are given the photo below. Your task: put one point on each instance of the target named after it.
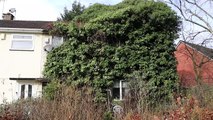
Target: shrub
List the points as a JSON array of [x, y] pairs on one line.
[[68, 104]]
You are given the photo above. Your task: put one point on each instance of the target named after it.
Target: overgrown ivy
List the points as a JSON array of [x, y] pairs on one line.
[[109, 43]]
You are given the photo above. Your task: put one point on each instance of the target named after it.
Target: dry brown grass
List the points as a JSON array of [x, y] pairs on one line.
[[190, 106], [78, 104], [69, 104]]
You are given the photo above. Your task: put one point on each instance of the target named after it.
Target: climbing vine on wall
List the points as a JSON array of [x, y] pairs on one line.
[[108, 43]]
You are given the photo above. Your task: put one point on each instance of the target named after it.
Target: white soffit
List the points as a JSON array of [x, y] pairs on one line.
[[20, 30]]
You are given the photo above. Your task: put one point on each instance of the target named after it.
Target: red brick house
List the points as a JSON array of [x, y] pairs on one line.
[[194, 64]]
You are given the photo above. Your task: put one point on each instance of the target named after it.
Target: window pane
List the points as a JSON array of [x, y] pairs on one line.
[[57, 41], [116, 93], [22, 91], [22, 37], [22, 45], [124, 84], [29, 91], [123, 93], [116, 84]]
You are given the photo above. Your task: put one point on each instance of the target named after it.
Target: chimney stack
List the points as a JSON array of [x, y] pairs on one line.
[[8, 16]]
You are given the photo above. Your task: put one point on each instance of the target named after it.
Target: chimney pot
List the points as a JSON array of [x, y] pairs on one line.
[[8, 16]]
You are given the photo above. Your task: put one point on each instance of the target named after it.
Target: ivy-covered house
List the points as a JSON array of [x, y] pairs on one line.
[[108, 44]]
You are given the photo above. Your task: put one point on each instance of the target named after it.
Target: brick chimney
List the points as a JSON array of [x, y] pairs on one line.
[[8, 16]]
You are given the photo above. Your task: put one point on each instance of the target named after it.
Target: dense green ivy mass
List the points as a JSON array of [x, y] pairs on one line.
[[109, 43]]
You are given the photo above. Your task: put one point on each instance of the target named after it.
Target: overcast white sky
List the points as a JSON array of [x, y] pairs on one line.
[[47, 10]]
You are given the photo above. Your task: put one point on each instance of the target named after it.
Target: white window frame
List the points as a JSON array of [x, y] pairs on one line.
[[122, 85], [22, 39]]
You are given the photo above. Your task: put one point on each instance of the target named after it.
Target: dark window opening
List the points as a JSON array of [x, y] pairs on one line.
[[44, 84], [116, 93]]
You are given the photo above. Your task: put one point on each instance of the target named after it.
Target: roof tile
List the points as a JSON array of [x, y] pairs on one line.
[[46, 25], [206, 51]]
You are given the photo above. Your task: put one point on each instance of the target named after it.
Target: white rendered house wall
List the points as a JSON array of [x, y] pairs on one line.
[[21, 63]]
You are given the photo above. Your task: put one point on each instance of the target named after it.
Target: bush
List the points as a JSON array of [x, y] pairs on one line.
[[78, 104], [69, 104], [51, 89]]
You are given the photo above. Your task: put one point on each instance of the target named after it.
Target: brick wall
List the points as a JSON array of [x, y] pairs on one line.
[[189, 61]]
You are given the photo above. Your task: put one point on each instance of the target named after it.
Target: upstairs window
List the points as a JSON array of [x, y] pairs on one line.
[[22, 42]]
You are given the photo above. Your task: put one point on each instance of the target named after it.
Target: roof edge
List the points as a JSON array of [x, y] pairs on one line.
[[21, 30], [192, 48], [30, 79]]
